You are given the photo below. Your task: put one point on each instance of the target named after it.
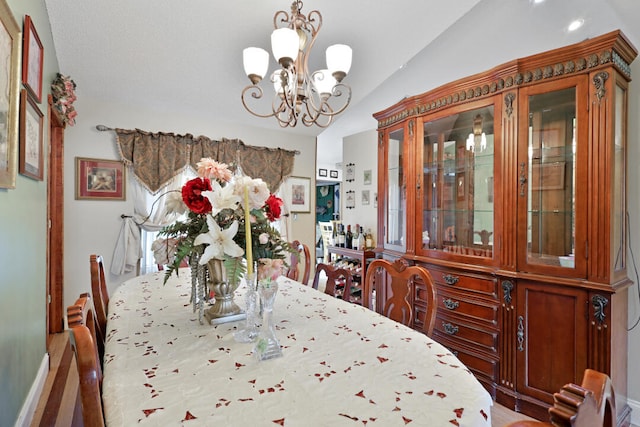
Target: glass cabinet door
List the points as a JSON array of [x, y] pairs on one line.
[[395, 215], [458, 170], [549, 178]]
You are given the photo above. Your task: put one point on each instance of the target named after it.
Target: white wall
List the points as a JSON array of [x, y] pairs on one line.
[[93, 226], [361, 150], [633, 210]]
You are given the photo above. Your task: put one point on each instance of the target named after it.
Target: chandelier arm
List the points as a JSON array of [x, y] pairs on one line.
[[337, 93], [285, 19], [255, 92]]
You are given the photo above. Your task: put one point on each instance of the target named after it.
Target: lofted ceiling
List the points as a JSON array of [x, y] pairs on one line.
[[186, 57]]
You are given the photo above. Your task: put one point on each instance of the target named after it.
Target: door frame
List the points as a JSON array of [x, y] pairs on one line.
[[55, 224]]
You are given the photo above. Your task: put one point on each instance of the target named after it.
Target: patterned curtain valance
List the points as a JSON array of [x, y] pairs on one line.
[[158, 157]]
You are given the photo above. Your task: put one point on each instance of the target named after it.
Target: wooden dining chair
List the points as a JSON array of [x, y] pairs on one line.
[[302, 255], [339, 281], [99, 290], [591, 404], [90, 375], [83, 313], [387, 290]]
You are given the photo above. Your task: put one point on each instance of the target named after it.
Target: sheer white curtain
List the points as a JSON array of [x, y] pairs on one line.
[[158, 219]]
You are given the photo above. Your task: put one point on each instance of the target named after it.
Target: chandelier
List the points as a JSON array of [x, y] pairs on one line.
[[311, 98]]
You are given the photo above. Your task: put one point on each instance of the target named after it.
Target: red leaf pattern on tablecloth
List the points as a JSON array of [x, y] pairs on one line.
[[222, 402], [189, 416], [154, 392], [279, 422], [455, 422], [410, 375], [406, 420], [441, 395], [382, 359], [351, 417], [148, 412], [458, 412], [360, 394], [484, 414], [150, 373], [277, 387]]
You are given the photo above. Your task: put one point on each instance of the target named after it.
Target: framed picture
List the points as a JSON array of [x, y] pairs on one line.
[[351, 172], [32, 60], [10, 83], [322, 172], [299, 195], [100, 179], [367, 177], [365, 197], [351, 199], [31, 137], [333, 174]]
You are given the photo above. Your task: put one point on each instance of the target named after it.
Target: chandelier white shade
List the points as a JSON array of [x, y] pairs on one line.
[[312, 98]]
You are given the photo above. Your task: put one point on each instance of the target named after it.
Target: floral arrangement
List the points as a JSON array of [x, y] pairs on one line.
[[226, 215], [64, 95]]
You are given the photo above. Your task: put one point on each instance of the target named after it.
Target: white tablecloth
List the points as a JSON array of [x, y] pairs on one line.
[[343, 365]]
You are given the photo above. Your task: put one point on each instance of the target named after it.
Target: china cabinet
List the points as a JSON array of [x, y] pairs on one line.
[[509, 187]]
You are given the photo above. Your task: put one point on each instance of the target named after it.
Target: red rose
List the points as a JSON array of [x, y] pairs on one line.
[[273, 207], [192, 195]]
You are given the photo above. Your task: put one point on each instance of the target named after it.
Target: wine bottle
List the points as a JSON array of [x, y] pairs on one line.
[[348, 242], [369, 239], [341, 236], [361, 240]]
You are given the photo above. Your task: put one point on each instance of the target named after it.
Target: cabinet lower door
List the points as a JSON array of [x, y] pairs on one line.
[[551, 338]]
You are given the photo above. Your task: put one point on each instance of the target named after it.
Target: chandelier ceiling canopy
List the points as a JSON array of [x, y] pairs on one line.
[[313, 98]]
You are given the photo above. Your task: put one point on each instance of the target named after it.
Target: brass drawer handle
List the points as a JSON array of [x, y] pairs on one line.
[[450, 304], [450, 329], [450, 279]]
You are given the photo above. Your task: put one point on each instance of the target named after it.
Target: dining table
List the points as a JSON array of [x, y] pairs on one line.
[[341, 365]]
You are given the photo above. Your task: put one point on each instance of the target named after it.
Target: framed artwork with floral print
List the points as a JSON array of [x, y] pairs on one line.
[[298, 194], [10, 84], [32, 59], [100, 179], [31, 137]]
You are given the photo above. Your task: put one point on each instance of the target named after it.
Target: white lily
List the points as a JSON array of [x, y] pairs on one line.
[[219, 242], [221, 197]]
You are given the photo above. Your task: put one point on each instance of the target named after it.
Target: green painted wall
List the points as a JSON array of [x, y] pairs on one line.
[[23, 219]]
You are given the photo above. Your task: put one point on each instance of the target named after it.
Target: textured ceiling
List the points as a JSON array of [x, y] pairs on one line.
[[172, 54], [186, 57]]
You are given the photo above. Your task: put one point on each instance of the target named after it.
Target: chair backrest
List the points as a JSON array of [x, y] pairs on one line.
[[301, 255], [83, 313], [90, 376], [393, 284], [591, 404], [339, 281], [99, 290]]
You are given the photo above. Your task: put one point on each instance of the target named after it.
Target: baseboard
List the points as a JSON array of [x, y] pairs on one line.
[[635, 411], [29, 407]]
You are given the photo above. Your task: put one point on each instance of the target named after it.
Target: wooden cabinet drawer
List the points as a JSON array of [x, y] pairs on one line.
[[462, 304], [483, 366], [476, 336], [486, 286]]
